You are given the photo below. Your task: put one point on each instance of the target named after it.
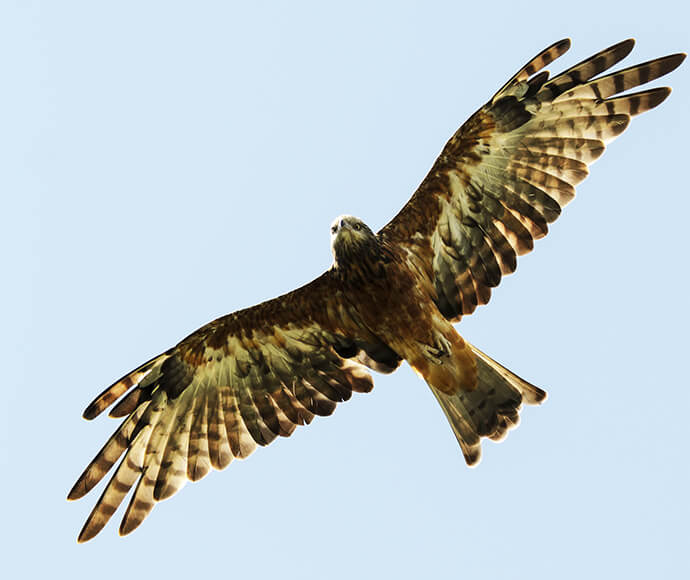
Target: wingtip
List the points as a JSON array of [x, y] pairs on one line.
[[128, 526], [563, 45], [627, 45], [558, 48], [91, 412], [662, 93], [77, 492], [87, 533], [673, 61]]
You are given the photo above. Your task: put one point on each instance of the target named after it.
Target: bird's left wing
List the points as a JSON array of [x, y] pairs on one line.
[[236, 383], [508, 171]]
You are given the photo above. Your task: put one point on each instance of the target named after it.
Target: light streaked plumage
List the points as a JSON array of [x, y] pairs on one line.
[[251, 376]]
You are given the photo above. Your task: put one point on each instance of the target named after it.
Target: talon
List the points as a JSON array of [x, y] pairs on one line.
[[435, 354], [445, 345]]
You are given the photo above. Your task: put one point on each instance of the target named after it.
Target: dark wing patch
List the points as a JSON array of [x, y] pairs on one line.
[[374, 355], [508, 171], [235, 384]]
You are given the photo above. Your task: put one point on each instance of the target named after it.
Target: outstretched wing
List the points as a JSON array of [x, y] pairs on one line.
[[508, 171], [236, 383]]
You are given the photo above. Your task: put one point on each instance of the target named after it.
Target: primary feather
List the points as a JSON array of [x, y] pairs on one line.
[[509, 170], [243, 380]]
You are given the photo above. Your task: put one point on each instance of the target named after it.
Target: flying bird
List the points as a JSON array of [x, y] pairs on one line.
[[246, 378]]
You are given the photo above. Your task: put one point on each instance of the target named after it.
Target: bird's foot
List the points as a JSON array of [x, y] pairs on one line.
[[438, 352]]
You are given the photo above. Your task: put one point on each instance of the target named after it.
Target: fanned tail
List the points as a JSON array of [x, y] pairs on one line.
[[491, 409]]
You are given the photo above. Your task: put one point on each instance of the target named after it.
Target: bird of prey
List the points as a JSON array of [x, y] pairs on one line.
[[248, 377]]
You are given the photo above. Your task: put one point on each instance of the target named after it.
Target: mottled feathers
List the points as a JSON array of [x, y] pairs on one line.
[[511, 168], [235, 384], [247, 378]]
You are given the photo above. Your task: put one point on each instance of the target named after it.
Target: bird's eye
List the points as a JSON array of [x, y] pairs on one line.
[[357, 227]]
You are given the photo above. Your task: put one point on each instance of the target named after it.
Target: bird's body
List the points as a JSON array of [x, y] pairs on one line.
[[253, 375], [388, 300]]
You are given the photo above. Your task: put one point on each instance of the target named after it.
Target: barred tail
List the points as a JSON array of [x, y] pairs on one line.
[[491, 409]]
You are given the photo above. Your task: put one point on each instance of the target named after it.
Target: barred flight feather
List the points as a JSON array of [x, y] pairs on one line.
[[509, 170], [249, 377], [203, 403]]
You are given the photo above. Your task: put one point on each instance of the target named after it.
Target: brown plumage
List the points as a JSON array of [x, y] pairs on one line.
[[251, 376]]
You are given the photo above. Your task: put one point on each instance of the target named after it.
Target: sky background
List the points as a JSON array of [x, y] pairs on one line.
[[164, 163]]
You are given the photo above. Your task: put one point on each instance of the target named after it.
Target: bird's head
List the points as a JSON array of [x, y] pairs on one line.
[[349, 237]]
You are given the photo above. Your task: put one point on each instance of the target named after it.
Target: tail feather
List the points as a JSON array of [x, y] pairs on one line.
[[491, 409]]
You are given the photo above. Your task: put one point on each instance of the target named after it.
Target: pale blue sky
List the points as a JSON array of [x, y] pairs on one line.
[[164, 163]]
